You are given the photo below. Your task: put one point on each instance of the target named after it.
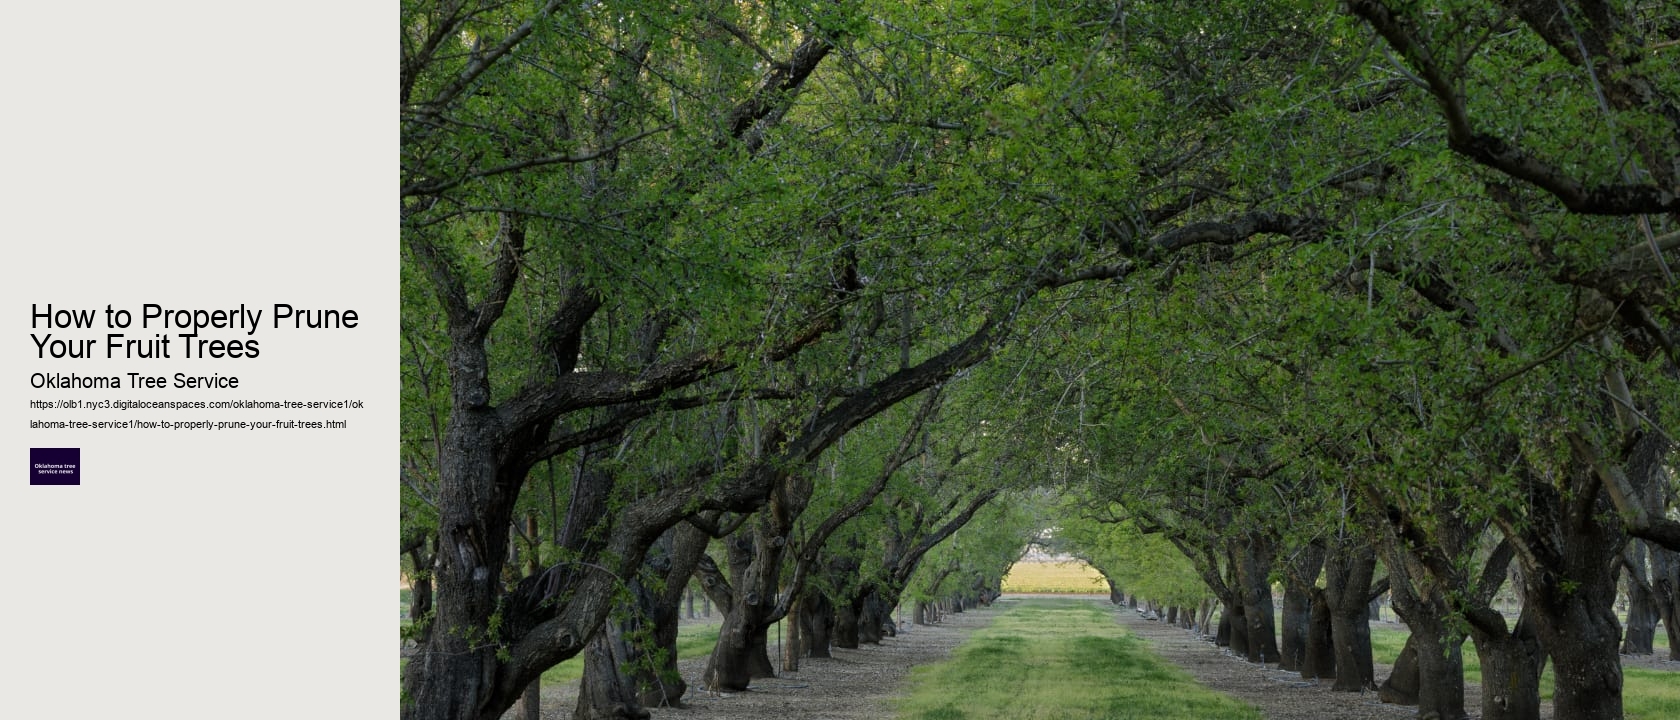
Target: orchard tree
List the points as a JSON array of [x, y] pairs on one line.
[[610, 214]]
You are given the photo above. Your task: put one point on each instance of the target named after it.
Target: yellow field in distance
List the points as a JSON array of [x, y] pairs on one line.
[[1069, 576]]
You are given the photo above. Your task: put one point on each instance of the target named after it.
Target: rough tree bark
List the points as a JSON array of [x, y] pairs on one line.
[[1320, 659], [1437, 662], [636, 653], [1347, 593], [611, 694], [1257, 555], [1511, 666], [1233, 625], [1570, 591], [742, 652], [1303, 571]]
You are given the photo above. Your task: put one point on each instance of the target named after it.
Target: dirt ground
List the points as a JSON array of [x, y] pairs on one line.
[[860, 684]]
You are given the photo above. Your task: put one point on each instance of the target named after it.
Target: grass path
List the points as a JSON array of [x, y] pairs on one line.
[[1053, 658]]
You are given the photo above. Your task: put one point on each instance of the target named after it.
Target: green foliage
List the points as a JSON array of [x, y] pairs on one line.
[[1428, 351]]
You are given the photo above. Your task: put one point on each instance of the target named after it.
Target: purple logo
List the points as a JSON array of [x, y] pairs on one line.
[[55, 466]]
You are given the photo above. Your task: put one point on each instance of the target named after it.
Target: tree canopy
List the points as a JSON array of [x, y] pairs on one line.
[[1230, 293]]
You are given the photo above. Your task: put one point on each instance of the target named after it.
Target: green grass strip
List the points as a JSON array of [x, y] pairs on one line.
[[1064, 660]]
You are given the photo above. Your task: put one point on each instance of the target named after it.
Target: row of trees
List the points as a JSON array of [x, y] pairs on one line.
[[1474, 383], [1269, 281]]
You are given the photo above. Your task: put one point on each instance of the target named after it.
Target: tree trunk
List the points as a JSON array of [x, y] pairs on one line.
[[1297, 625], [1511, 667], [529, 706], [742, 653], [1347, 589], [1569, 587], [1297, 605], [643, 652], [816, 620], [1642, 613], [450, 677], [1421, 598], [458, 674], [658, 682], [1319, 660], [919, 615], [790, 654], [672, 562], [845, 626], [1236, 615], [1578, 627], [1433, 677], [871, 618], [1401, 687], [609, 692], [1350, 631], [1440, 675], [612, 662], [1258, 555]]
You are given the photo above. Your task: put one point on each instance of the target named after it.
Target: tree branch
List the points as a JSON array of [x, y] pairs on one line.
[[1497, 153], [439, 186]]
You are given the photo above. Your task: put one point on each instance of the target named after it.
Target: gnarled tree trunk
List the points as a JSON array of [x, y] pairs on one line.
[[742, 653], [1433, 674], [1320, 658], [1347, 592], [816, 623], [1254, 571], [1297, 605], [1511, 667]]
